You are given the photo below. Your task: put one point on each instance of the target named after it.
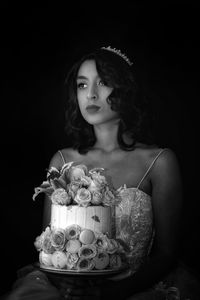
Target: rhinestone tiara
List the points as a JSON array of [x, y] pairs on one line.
[[118, 52]]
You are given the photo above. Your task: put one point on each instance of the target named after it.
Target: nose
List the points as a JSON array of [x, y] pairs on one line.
[[92, 92]]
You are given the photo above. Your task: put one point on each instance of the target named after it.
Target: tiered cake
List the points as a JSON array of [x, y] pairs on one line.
[[80, 234]]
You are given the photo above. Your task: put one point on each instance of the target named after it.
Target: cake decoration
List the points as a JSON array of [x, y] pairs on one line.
[[76, 185], [79, 236]]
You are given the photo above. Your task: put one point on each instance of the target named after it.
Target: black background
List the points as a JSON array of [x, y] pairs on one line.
[[38, 45]]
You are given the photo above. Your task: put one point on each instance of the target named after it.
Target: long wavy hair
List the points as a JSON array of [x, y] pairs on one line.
[[126, 99]]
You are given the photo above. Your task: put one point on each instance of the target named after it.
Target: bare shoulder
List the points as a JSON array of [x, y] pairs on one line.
[[166, 161], [63, 156], [165, 173], [163, 163], [164, 157]]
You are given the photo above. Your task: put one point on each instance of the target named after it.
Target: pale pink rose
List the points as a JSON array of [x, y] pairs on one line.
[[83, 197], [101, 261], [85, 264], [73, 188], [101, 241], [59, 259], [108, 197], [38, 243], [47, 245], [113, 246], [72, 232], [87, 251], [76, 172], [115, 261], [42, 241], [72, 259], [61, 197], [96, 198], [99, 179], [58, 239], [45, 259], [94, 186], [85, 181]]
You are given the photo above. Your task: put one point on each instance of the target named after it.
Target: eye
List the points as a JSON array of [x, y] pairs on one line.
[[102, 82], [81, 85]]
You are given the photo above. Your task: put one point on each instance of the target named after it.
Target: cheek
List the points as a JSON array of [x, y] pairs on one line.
[[80, 100]]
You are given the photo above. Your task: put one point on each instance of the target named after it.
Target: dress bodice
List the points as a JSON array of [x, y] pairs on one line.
[[134, 224]]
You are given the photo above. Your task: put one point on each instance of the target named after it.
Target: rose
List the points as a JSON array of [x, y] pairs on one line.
[[60, 196], [85, 264], [47, 245], [73, 188], [98, 182], [72, 259], [87, 251], [102, 241], [112, 246], [109, 197], [101, 261], [94, 186], [72, 232], [59, 259], [96, 198], [115, 261], [58, 239], [83, 197], [43, 242], [75, 173], [45, 259], [85, 181]]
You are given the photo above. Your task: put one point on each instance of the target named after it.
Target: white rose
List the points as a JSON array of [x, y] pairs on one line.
[[60, 196], [96, 198], [75, 173], [58, 239], [108, 197], [83, 197]]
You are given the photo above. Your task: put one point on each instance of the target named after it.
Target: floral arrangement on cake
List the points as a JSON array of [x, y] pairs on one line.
[[76, 185], [78, 249]]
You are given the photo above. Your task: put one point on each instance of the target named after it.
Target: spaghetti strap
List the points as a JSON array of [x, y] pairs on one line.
[[63, 159], [151, 165]]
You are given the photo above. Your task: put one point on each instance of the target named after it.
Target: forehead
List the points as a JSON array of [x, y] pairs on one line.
[[88, 67]]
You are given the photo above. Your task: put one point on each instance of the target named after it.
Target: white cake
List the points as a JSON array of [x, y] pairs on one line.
[[80, 234], [95, 218]]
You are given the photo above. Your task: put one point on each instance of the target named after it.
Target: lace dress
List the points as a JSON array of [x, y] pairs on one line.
[[134, 225]]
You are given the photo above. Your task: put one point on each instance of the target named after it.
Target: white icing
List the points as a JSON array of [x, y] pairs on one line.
[[96, 218]]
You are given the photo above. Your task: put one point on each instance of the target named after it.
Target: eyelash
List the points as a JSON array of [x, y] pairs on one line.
[[81, 84]]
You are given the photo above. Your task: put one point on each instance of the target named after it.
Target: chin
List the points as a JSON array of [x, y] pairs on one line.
[[99, 119]]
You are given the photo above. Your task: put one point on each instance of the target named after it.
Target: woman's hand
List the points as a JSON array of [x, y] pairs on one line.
[[78, 288]]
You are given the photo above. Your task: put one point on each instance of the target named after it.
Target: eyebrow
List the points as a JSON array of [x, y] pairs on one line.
[[81, 77]]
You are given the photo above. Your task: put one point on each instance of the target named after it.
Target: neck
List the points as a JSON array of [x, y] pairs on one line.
[[106, 135]]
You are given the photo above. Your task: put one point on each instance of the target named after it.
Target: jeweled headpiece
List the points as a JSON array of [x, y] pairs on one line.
[[118, 52]]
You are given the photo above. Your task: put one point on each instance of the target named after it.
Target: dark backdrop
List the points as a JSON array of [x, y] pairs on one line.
[[39, 44]]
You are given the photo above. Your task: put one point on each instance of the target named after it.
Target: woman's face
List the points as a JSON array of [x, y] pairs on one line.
[[92, 95]]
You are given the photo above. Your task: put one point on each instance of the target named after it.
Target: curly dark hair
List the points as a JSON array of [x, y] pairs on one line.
[[126, 99]]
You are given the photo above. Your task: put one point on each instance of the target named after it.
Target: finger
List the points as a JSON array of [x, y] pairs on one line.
[[85, 292]]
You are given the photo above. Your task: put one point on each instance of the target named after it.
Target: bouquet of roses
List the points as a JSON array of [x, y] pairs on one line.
[[75, 184]]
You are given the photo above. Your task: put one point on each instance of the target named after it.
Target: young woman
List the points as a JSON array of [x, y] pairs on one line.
[[107, 126]]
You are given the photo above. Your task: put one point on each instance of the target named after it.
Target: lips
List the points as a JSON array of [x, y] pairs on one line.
[[92, 108]]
